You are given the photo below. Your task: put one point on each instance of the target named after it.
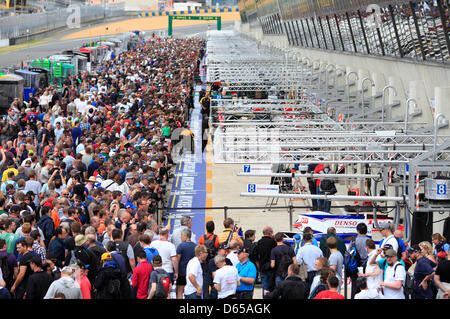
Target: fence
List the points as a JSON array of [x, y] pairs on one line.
[[17, 26], [163, 211]]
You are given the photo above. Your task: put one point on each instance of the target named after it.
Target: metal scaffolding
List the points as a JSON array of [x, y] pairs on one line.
[[269, 107]]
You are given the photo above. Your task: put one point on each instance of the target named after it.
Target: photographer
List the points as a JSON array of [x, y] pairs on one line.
[[231, 232]]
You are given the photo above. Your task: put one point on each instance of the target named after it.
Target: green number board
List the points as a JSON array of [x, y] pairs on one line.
[[209, 18]]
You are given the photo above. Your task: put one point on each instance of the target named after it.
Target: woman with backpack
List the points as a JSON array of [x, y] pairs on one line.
[[440, 246]]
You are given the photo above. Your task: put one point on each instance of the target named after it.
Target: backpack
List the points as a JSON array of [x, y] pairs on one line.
[[298, 242], [210, 246], [352, 260], [81, 254], [162, 285], [285, 261], [122, 247], [150, 252], [320, 287], [6, 270], [399, 250], [113, 287]]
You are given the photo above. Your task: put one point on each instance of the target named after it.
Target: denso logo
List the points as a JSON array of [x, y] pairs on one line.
[[304, 220], [345, 223]]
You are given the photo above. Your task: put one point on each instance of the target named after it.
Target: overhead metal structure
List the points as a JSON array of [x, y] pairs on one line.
[[268, 106]]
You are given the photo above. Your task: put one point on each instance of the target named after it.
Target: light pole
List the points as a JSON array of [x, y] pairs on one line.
[[28, 45]]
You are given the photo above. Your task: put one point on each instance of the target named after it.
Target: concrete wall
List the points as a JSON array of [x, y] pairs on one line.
[[429, 84]]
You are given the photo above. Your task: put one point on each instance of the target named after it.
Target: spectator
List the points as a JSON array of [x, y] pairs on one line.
[[109, 281], [9, 235], [263, 249], [281, 257], [247, 275], [233, 250], [81, 277], [229, 233], [210, 240], [398, 234], [211, 271], [394, 277], [308, 255], [332, 292], [365, 292], [186, 222], [185, 252], [25, 251], [168, 254], [250, 244], [372, 272], [440, 245], [322, 284], [331, 232], [360, 242], [292, 287], [442, 278], [159, 276], [423, 274], [385, 230], [124, 249], [65, 285], [53, 149], [141, 276], [321, 263], [8, 261], [57, 246], [336, 260], [194, 274], [39, 282], [226, 279]]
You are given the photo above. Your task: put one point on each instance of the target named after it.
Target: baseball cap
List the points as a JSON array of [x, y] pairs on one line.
[[222, 246], [390, 253], [414, 249], [384, 225], [130, 205], [106, 257], [242, 250]]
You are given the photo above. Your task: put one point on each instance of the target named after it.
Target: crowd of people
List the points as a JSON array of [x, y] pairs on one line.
[[86, 166]]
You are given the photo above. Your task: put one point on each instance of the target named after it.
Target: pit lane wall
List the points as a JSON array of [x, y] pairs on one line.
[[404, 44]]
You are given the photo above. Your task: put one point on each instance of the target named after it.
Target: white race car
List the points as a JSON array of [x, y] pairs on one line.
[[345, 225]]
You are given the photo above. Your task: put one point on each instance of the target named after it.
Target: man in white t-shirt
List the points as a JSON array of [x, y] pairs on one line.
[[394, 277], [226, 278], [372, 272], [385, 229], [232, 254], [194, 274], [168, 253]]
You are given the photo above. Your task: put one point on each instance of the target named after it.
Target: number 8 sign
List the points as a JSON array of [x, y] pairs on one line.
[[251, 188], [441, 189]]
